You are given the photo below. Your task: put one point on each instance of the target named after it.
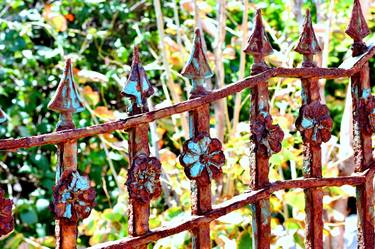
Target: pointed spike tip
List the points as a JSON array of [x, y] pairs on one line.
[[197, 67], [137, 87], [66, 97], [357, 28], [258, 43], [135, 55], [197, 32], [308, 44]]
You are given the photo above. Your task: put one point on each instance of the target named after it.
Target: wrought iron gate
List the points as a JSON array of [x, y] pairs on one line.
[[202, 156]]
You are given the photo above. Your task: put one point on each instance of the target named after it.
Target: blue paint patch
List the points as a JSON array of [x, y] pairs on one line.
[[366, 93], [66, 196], [307, 123], [189, 158], [194, 147], [196, 169], [68, 211]]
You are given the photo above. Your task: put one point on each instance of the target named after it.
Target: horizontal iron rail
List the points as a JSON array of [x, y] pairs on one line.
[[231, 205], [348, 68]]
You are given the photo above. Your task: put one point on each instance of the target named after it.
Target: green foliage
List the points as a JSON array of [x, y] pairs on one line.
[[99, 35]]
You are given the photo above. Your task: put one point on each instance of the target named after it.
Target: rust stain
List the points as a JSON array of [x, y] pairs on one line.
[[6, 218], [74, 198], [143, 181], [202, 156]]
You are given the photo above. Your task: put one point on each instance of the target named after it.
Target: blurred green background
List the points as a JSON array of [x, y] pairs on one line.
[[37, 36]]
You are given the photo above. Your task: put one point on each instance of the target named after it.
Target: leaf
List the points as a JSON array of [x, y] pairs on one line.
[[91, 76], [229, 53], [29, 217], [295, 199], [55, 19], [14, 241], [104, 113], [91, 96], [244, 241]]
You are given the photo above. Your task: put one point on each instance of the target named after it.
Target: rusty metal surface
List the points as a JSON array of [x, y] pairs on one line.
[[353, 66], [144, 118], [144, 172], [203, 157], [363, 107], [315, 125], [266, 137], [228, 206], [6, 218], [73, 196]]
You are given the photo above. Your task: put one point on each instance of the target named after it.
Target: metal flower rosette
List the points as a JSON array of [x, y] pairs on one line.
[[315, 123], [73, 197], [202, 158], [268, 137], [143, 180]]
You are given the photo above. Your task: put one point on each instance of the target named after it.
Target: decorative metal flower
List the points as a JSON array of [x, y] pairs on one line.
[[6, 218], [73, 197], [268, 137], [143, 178], [202, 158], [314, 123]]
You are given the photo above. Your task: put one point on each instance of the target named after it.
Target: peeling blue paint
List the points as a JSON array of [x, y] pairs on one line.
[[196, 157], [66, 98], [68, 211], [307, 123], [366, 93]]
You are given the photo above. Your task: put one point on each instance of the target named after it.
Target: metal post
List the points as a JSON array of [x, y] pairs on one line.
[[315, 125], [72, 200], [144, 171], [202, 156], [265, 137], [362, 144]]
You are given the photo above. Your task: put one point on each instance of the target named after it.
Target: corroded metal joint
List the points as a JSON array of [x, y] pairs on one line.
[[267, 136], [144, 178], [314, 123], [258, 68], [358, 48], [73, 197], [202, 158]]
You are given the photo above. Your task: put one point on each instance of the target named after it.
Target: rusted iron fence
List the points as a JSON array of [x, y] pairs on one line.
[[202, 156]]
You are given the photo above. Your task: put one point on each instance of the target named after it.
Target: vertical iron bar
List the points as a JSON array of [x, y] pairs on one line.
[[362, 144], [196, 156], [315, 126], [144, 171], [139, 212], [200, 193], [265, 137], [66, 231], [6, 218], [66, 101]]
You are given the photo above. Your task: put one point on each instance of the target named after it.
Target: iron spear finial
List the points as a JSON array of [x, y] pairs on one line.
[[357, 28], [258, 43], [138, 88], [308, 44], [197, 68], [66, 98]]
